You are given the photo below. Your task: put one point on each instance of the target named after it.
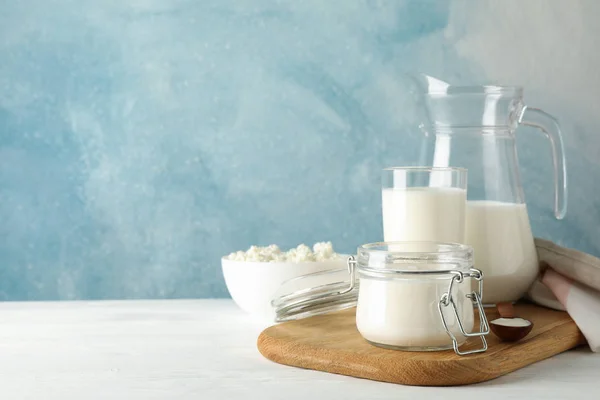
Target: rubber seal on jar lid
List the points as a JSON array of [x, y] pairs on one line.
[[315, 294]]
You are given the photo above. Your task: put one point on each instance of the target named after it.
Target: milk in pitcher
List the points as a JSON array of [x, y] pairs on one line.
[[504, 250]]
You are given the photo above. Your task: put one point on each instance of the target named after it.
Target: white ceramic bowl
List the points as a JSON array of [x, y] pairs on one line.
[[252, 285]]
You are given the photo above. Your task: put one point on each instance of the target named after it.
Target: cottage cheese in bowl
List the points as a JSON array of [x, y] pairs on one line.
[[321, 251], [254, 276]]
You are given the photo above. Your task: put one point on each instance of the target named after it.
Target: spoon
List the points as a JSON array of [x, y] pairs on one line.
[[509, 327]]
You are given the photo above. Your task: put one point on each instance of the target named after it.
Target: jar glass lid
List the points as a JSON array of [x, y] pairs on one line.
[[333, 290], [315, 294], [415, 257]]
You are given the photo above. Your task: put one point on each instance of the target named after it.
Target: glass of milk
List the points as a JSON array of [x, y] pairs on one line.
[[424, 204]]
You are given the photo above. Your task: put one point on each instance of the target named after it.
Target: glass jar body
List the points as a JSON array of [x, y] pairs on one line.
[[403, 313]]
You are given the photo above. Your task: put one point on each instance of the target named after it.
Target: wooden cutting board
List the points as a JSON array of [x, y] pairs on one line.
[[331, 343]]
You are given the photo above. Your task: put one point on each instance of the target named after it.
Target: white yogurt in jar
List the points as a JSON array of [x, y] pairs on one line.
[[403, 313]]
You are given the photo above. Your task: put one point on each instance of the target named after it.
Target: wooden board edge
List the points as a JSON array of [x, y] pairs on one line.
[[478, 369], [483, 369]]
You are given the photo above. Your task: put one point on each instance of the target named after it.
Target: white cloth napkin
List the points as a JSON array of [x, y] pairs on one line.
[[570, 280]]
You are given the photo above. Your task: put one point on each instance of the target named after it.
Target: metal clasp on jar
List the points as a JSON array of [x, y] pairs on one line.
[[447, 300]]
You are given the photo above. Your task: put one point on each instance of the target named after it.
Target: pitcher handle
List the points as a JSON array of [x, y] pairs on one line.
[[549, 125]]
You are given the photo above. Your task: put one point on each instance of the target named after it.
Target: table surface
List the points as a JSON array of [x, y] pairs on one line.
[[206, 349]]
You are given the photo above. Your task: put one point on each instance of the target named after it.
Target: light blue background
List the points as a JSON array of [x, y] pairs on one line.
[[142, 140]]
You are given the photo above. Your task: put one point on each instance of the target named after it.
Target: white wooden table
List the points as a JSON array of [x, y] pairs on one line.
[[206, 349]]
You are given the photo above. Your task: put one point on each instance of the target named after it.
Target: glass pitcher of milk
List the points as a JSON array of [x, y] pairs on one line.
[[474, 127]]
